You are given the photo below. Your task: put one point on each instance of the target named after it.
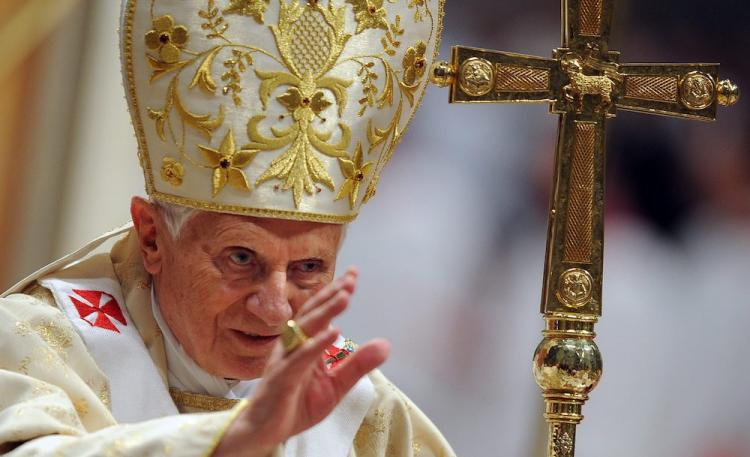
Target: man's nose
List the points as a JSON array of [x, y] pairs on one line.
[[271, 303]]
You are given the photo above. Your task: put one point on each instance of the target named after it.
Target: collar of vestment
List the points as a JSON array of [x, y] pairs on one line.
[[108, 300], [185, 375]]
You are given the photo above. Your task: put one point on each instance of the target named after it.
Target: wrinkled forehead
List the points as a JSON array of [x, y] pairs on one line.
[[225, 229]]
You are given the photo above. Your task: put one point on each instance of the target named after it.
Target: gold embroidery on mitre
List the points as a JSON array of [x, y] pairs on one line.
[[369, 14], [172, 171], [167, 38], [253, 8], [420, 9], [227, 163], [414, 63], [355, 172], [319, 32], [308, 77]]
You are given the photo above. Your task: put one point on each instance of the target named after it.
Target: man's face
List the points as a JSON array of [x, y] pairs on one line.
[[229, 283]]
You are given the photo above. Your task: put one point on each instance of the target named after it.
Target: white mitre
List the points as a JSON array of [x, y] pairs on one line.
[[275, 108]]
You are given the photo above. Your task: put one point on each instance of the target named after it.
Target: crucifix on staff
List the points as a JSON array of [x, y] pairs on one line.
[[584, 83]]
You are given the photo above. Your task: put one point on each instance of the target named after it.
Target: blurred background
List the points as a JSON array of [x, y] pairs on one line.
[[451, 250]]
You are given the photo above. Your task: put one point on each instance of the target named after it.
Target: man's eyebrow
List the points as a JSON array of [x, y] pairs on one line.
[[308, 259], [320, 255]]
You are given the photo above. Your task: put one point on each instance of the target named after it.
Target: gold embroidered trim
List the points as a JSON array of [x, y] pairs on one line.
[[127, 49], [260, 212], [202, 402], [241, 405]]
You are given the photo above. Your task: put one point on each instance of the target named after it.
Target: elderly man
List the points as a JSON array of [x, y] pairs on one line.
[[219, 297]]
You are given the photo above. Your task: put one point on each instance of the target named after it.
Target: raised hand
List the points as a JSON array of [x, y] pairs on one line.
[[297, 390]]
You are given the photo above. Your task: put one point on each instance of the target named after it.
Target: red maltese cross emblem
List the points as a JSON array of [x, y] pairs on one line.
[[97, 308]]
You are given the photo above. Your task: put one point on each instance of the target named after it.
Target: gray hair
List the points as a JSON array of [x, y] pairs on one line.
[[176, 216]]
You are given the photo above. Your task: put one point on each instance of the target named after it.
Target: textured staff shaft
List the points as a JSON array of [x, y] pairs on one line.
[[567, 363]]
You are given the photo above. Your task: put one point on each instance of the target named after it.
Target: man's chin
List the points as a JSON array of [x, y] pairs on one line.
[[244, 368], [246, 345]]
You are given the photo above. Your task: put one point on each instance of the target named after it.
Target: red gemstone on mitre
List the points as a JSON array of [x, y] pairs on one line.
[[100, 303]]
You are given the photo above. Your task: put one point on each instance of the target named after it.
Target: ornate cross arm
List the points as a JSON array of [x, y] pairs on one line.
[[488, 76], [477, 75], [585, 84], [689, 90]]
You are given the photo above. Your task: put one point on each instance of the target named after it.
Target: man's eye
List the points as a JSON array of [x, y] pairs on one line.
[[241, 257], [310, 266]]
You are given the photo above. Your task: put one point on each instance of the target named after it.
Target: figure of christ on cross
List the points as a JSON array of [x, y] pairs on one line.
[[584, 84]]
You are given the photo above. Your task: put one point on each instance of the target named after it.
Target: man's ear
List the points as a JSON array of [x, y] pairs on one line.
[[150, 233]]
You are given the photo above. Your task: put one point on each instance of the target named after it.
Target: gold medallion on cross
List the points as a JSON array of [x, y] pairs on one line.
[[584, 84]]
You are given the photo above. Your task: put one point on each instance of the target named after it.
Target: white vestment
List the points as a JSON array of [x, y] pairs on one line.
[[60, 384]]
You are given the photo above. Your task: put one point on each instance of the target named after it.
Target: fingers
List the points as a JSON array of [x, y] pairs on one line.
[[320, 318], [347, 281], [329, 302], [306, 356], [368, 357]]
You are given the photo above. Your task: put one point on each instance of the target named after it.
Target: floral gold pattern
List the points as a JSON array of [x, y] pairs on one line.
[[304, 146], [167, 38], [420, 9], [172, 171], [414, 63], [369, 14], [227, 163], [355, 172], [302, 27], [253, 8]]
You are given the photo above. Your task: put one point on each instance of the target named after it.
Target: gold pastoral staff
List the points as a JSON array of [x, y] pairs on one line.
[[584, 84]]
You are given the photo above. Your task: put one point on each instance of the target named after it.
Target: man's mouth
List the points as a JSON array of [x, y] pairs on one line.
[[260, 337], [257, 338]]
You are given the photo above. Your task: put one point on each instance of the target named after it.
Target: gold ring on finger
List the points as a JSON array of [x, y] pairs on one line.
[[292, 336]]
